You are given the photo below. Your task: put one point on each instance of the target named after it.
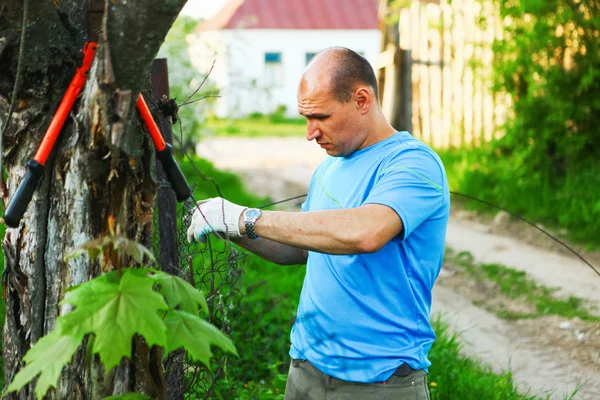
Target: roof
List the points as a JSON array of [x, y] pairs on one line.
[[295, 14]]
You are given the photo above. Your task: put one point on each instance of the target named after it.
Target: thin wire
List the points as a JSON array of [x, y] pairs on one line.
[[532, 224], [11, 109], [283, 201], [493, 206], [198, 99]]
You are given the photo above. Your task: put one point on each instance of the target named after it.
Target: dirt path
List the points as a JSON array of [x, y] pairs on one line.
[[572, 276], [552, 359]]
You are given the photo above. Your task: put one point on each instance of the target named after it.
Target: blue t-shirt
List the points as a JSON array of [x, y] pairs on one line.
[[361, 316]]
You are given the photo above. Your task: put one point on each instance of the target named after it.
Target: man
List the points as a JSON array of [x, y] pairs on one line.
[[372, 232]]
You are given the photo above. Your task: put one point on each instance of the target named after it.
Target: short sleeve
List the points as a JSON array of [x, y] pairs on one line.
[[413, 184], [305, 204]]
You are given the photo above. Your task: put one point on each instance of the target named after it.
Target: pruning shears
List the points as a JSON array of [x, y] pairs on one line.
[[35, 167]]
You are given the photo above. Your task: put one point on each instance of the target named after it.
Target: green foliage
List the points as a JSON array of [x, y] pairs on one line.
[[185, 78], [568, 204], [454, 376], [46, 359], [2, 307], [178, 292], [190, 332], [206, 180], [256, 127], [546, 166], [128, 396], [516, 284], [262, 312], [548, 61], [95, 247], [115, 307]]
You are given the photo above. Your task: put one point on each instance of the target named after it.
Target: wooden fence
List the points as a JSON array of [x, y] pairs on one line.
[[435, 74]]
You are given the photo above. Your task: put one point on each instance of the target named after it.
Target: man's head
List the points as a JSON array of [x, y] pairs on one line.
[[338, 96]]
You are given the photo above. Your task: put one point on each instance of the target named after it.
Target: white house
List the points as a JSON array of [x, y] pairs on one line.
[[261, 47]]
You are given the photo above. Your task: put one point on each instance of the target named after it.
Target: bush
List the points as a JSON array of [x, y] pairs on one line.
[[279, 115], [546, 166], [256, 116], [570, 201]]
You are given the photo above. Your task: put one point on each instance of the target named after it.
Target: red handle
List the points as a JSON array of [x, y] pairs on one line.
[[89, 51], [157, 137]]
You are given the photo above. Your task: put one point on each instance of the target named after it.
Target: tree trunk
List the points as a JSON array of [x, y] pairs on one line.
[[101, 167]]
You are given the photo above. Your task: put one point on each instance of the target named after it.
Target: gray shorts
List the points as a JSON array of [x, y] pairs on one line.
[[305, 382]]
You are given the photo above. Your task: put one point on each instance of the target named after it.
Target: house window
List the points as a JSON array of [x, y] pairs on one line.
[[273, 70], [309, 56]]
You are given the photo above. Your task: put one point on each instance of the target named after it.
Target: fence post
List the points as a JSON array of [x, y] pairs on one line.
[[402, 118], [394, 75], [167, 223]]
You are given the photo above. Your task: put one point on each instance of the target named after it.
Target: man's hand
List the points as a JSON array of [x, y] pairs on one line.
[[215, 215]]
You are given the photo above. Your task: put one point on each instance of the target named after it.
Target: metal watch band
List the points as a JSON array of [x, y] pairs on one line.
[[250, 217], [250, 230]]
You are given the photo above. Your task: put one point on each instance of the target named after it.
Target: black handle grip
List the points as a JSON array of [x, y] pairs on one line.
[[174, 174], [20, 201]]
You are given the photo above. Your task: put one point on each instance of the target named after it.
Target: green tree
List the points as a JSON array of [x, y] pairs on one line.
[[185, 80], [549, 63], [100, 170]]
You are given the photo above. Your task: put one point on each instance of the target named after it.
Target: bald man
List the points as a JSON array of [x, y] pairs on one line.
[[372, 233]]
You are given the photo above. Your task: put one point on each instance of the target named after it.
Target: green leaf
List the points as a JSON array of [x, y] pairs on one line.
[[93, 248], [133, 248], [47, 359], [129, 396], [120, 243], [195, 335], [180, 293], [115, 309]]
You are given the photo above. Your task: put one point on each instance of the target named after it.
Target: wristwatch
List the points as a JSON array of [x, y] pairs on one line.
[[250, 217]]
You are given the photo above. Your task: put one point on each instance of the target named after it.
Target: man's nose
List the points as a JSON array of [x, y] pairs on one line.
[[312, 132]]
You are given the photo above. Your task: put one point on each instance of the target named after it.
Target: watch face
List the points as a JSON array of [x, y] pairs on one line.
[[252, 213]]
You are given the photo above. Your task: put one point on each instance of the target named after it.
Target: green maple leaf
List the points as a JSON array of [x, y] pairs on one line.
[[129, 396], [180, 293], [195, 335], [114, 309], [47, 359]]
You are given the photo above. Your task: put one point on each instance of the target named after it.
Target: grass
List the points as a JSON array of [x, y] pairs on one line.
[[515, 284], [571, 203], [271, 306], [454, 376], [261, 126]]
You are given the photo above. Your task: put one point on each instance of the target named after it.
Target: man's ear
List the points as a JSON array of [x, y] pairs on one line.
[[364, 99]]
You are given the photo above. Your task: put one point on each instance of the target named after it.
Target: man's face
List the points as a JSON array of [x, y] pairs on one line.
[[334, 125]]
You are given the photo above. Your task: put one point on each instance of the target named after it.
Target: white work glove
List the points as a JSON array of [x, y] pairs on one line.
[[215, 215]]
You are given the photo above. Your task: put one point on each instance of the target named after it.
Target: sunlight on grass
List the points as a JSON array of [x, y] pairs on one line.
[[516, 284], [255, 127]]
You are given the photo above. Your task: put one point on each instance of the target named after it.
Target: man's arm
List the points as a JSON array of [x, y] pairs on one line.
[[365, 229], [272, 251]]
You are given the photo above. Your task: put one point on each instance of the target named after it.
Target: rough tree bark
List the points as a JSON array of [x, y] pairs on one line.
[[101, 166]]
